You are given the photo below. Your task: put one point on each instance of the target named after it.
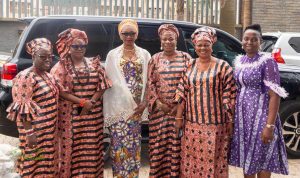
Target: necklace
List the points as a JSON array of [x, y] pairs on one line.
[[128, 49], [87, 70], [128, 57]]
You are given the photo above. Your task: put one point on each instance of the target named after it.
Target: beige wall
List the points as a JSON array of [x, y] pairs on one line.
[[10, 33], [228, 17], [277, 15]]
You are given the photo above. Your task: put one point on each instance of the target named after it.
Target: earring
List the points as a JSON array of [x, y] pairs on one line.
[[161, 48], [175, 47]]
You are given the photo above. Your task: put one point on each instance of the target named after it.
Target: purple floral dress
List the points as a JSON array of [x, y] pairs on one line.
[[255, 77]]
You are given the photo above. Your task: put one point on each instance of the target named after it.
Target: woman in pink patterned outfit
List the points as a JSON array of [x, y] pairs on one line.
[[34, 109], [83, 82]]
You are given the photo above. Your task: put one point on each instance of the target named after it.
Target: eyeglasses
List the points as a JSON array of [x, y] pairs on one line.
[[45, 57], [128, 34], [79, 46], [168, 39]]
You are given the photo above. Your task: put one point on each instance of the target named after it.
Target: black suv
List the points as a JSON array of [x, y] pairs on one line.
[[103, 36]]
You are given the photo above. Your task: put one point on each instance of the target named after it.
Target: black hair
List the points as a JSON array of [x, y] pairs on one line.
[[255, 27]]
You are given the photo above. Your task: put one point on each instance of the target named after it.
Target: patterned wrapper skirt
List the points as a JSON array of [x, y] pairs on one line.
[[125, 148], [204, 151]]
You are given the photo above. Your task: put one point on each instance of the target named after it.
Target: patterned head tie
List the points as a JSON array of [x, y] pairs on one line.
[[66, 38], [204, 33], [36, 44], [168, 28], [129, 22]]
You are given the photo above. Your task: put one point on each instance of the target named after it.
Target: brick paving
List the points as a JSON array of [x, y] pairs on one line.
[[294, 164]]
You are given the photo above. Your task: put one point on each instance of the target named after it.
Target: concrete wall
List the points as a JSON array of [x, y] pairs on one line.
[[9, 34], [277, 15], [227, 17]]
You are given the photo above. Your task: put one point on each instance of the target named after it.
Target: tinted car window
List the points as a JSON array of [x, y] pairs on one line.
[[186, 33], [99, 35], [222, 49], [268, 43], [295, 43], [226, 49]]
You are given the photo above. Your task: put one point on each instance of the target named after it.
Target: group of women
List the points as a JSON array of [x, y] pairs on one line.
[[203, 115]]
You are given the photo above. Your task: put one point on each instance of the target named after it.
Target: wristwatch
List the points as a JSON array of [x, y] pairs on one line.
[[270, 126]]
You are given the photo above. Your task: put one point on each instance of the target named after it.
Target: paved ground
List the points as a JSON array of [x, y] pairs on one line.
[[294, 164]]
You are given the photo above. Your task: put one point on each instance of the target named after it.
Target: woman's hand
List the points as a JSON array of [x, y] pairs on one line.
[[138, 111], [140, 108], [88, 105], [173, 111], [162, 107], [31, 140], [267, 135], [178, 124]]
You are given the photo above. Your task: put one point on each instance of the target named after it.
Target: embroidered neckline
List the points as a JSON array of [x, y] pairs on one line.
[[262, 59]]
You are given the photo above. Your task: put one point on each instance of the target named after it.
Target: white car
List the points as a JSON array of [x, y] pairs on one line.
[[4, 57], [284, 46]]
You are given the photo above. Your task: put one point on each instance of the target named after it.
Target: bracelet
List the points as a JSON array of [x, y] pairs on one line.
[[178, 118], [29, 132], [270, 126], [82, 102]]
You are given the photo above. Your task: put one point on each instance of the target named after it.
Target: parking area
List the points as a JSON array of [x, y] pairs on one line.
[[294, 164]]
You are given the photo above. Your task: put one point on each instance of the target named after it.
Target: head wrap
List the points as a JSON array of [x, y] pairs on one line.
[[255, 27], [129, 22], [168, 27], [204, 33], [66, 38], [34, 45]]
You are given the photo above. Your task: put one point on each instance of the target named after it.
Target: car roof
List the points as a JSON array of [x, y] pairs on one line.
[[108, 19], [118, 19], [278, 34]]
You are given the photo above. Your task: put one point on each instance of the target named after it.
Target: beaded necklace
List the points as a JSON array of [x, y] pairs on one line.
[[87, 70]]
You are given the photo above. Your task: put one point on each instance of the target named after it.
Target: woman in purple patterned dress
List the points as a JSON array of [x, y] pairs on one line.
[[257, 145]]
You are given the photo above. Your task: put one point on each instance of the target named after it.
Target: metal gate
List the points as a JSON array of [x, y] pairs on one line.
[[198, 11]]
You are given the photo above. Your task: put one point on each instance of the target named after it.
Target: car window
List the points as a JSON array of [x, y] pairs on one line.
[[268, 43], [99, 35], [224, 48], [295, 43], [187, 33]]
